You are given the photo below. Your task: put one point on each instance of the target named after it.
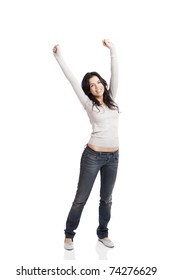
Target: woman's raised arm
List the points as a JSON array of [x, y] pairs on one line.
[[69, 75], [114, 67]]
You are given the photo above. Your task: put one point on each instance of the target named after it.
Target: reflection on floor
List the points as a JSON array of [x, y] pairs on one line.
[[100, 249]]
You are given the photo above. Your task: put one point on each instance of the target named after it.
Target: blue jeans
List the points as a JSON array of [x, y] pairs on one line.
[[91, 163]]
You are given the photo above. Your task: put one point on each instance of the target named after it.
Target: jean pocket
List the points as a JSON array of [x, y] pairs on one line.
[[116, 158], [90, 156]]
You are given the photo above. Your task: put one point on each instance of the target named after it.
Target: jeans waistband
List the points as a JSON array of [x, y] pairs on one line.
[[99, 153]]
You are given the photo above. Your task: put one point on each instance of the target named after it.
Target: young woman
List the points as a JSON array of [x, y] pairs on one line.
[[102, 151]]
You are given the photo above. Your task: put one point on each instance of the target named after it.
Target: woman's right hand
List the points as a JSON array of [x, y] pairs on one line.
[[56, 49]]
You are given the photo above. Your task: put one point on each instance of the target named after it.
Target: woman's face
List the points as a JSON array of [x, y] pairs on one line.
[[96, 87]]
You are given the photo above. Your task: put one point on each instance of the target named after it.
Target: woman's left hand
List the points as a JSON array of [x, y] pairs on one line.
[[107, 43]]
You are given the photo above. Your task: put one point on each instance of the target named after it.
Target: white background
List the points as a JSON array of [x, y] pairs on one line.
[[44, 129]]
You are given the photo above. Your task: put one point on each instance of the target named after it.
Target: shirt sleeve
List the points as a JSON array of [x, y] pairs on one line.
[[71, 78], [114, 72]]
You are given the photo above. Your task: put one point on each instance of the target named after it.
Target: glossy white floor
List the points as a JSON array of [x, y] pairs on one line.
[[44, 129]]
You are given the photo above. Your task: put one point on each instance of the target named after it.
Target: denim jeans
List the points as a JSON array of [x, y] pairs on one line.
[[91, 163]]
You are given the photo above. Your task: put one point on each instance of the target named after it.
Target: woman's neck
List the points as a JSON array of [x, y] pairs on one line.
[[100, 99]]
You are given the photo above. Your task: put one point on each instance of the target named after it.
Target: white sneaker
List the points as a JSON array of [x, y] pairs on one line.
[[68, 245], [107, 242]]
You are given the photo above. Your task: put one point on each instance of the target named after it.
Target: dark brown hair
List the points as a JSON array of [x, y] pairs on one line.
[[107, 99]]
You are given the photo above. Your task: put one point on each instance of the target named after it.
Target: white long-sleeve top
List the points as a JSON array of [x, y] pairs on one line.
[[105, 120]]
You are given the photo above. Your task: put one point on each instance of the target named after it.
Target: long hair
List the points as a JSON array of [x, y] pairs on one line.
[[106, 95]]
